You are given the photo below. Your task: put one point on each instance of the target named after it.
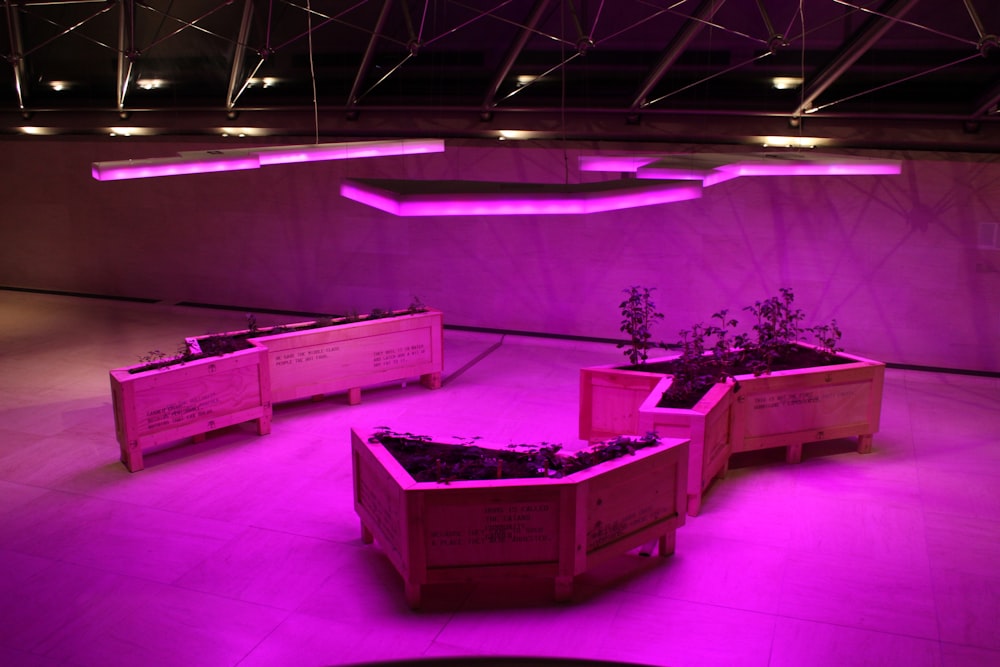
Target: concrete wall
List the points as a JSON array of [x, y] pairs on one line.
[[897, 260]]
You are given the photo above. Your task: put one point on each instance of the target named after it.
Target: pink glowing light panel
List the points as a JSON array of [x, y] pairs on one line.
[[172, 166], [426, 198], [713, 168], [201, 162]]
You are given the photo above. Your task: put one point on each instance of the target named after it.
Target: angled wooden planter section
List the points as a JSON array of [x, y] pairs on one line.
[[789, 408], [297, 361], [306, 361], [610, 397], [153, 407], [707, 425], [546, 528]]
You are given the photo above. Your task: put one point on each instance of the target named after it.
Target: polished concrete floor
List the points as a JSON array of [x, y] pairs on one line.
[[245, 549]]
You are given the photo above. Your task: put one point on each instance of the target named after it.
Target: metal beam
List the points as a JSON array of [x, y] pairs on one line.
[[237, 81], [16, 57], [515, 50], [704, 12], [127, 52], [366, 59], [856, 47], [988, 103]]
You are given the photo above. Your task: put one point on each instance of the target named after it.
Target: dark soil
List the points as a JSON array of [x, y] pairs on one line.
[[686, 397], [428, 461], [214, 345]]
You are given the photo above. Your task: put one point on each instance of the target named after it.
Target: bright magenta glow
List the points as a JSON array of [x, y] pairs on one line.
[[713, 168], [347, 151], [171, 166], [438, 198], [622, 163], [201, 162]]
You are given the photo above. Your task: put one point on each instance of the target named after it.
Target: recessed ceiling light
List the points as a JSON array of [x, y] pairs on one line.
[[151, 84], [244, 131], [794, 142], [786, 82], [131, 131], [263, 82]]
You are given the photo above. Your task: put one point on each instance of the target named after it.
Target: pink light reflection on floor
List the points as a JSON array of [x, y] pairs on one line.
[[245, 549]]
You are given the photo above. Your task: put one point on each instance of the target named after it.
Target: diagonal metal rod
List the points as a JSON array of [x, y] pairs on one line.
[[706, 79], [72, 28], [384, 77], [327, 19], [541, 76], [694, 25], [236, 72], [482, 15], [185, 24], [369, 55], [898, 19], [858, 44], [893, 83], [659, 12], [597, 19], [16, 55], [514, 52], [330, 18], [126, 49]]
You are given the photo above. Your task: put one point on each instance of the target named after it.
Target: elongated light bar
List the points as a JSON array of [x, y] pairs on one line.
[[438, 198], [171, 166], [347, 150], [713, 168], [201, 162]]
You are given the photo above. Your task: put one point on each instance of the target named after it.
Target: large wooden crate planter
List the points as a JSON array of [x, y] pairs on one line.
[[793, 407], [307, 361], [543, 527], [707, 425], [189, 399], [610, 397]]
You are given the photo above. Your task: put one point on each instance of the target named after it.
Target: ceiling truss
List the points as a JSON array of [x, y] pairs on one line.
[[552, 68]]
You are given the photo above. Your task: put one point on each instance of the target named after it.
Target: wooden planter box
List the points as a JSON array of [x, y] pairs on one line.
[[345, 357], [610, 397], [707, 425], [789, 408], [489, 530], [154, 407]]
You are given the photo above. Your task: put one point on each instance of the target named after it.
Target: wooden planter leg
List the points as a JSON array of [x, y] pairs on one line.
[[668, 544], [412, 594], [366, 535], [694, 504], [865, 443], [132, 456], [431, 380], [564, 589], [793, 454]]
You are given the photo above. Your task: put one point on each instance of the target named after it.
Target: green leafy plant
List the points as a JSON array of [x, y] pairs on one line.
[[777, 325], [714, 352], [828, 337], [638, 316]]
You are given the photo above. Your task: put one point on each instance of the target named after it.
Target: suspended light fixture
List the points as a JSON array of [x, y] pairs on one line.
[[422, 198], [201, 162], [712, 168]]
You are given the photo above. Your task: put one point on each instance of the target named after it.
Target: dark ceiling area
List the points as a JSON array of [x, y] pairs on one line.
[[891, 74]]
